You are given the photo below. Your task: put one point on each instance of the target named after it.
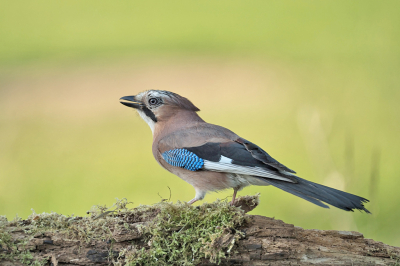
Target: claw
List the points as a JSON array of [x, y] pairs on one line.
[[233, 197]]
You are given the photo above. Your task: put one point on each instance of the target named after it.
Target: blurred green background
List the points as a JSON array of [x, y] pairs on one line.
[[315, 83]]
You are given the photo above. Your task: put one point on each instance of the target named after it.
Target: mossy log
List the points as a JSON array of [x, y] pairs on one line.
[[181, 234]]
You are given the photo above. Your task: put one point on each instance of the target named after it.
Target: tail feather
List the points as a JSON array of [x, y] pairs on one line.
[[315, 193]]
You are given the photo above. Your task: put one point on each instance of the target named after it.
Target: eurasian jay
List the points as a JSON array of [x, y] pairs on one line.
[[213, 158]]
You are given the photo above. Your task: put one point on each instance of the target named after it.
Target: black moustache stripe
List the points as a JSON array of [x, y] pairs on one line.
[[149, 113]]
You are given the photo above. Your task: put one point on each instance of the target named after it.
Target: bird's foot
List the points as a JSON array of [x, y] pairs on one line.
[[192, 201], [233, 197]]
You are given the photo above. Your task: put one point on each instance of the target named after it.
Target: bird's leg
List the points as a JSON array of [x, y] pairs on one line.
[[192, 201], [199, 196], [235, 190]]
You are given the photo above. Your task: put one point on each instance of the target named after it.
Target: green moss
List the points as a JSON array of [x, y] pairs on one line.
[[13, 250], [183, 234], [6, 241], [174, 234]]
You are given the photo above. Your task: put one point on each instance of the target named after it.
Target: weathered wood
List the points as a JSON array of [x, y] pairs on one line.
[[264, 241], [273, 242]]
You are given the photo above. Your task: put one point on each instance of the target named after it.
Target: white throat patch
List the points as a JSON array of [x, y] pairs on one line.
[[147, 120]]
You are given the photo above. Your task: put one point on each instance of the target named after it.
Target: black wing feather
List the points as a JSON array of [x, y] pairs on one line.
[[210, 151], [262, 155], [235, 151], [232, 150]]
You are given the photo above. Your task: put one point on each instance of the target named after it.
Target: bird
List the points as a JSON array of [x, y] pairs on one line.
[[213, 158]]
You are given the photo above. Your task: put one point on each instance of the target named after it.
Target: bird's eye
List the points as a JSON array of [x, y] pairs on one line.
[[154, 101]]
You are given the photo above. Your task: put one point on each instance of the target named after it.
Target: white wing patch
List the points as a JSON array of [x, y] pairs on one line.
[[225, 159], [225, 165]]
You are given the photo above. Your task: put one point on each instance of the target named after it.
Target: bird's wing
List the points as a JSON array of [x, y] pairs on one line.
[[233, 157], [213, 149], [262, 155], [204, 137]]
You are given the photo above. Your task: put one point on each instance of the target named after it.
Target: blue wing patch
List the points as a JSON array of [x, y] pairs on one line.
[[184, 159]]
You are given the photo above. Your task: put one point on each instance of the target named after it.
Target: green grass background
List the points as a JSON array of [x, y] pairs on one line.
[[315, 83]]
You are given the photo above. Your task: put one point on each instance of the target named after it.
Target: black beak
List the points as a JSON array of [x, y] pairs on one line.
[[130, 102]]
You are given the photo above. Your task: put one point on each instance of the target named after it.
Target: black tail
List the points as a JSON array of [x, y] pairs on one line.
[[316, 193]]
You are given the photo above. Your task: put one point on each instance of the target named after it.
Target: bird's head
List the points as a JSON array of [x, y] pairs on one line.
[[156, 105]]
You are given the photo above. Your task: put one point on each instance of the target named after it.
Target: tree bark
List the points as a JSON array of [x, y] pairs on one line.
[[264, 241]]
